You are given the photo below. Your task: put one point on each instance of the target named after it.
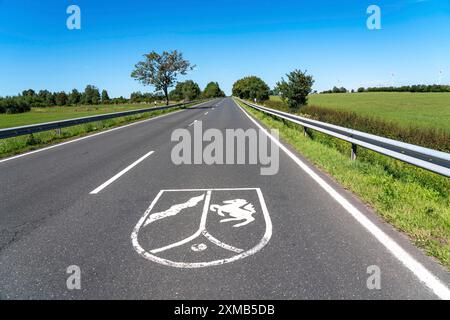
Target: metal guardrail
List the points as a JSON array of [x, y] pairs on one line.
[[429, 159], [55, 125]]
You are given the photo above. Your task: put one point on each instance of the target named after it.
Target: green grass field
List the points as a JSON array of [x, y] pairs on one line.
[[413, 200], [17, 145], [431, 110], [39, 115]]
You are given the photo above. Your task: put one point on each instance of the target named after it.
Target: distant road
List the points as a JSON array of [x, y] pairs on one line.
[[140, 227]]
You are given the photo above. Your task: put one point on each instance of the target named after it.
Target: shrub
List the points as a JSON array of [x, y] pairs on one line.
[[295, 91], [212, 90], [12, 105], [251, 88], [32, 140], [427, 137]]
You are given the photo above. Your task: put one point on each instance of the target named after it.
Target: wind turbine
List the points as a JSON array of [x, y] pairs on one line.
[[441, 73], [392, 79]]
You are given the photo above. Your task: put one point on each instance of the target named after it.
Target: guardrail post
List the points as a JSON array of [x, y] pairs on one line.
[[58, 132], [353, 152], [305, 132]]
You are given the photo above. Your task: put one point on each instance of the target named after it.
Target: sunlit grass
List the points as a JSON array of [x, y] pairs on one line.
[[427, 110], [17, 145], [40, 115], [411, 199]]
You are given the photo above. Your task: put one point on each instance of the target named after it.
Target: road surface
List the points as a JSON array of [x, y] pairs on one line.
[[293, 241]]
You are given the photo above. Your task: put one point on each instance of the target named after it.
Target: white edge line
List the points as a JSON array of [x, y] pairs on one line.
[[93, 135], [121, 173], [430, 280]]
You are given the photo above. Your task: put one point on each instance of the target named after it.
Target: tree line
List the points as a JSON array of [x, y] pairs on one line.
[[412, 88], [189, 91], [23, 102], [294, 90], [336, 90], [158, 70], [161, 71], [28, 99]]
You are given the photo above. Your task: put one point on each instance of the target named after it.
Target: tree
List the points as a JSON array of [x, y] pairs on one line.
[[119, 100], [251, 88], [29, 93], [136, 97], [335, 90], [91, 95], [43, 94], [187, 90], [61, 98], [17, 104], [74, 97], [296, 89], [46, 98], [190, 90], [274, 92], [212, 90], [105, 97], [50, 99], [176, 94], [161, 70]]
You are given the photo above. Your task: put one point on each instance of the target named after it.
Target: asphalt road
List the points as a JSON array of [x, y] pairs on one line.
[[302, 244]]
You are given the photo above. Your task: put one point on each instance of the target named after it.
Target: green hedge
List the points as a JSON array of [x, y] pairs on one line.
[[427, 137]]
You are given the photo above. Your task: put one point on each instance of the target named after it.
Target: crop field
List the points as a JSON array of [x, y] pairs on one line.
[[413, 200], [39, 115], [425, 110]]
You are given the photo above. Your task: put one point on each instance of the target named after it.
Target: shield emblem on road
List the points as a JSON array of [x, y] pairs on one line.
[[194, 228]]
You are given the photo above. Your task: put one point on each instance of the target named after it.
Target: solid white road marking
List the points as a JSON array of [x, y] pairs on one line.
[[206, 113], [121, 173], [192, 123], [430, 280], [95, 134]]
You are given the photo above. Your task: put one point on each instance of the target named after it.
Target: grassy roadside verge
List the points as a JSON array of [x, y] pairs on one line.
[[377, 123], [416, 202], [13, 146], [41, 115]]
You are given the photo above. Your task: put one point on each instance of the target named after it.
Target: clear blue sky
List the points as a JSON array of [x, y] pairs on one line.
[[226, 39]]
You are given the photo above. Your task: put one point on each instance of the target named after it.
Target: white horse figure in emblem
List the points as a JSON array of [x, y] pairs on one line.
[[237, 210]]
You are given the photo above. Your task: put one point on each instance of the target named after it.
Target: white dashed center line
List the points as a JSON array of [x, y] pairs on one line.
[[121, 173]]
